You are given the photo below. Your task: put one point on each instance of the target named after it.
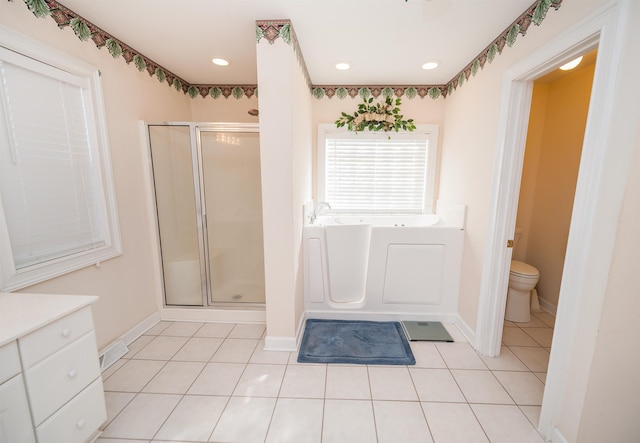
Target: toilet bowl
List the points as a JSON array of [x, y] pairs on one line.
[[522, 279]]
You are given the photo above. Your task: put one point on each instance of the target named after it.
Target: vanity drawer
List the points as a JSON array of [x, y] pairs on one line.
[[78, 420], [15, 421], [58, 378], [47, 340], [9, 361]]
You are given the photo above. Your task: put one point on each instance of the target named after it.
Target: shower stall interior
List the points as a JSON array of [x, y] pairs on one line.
[[209, 212]]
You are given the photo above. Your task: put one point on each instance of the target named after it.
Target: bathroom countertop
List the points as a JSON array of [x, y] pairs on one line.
[[21, 314]]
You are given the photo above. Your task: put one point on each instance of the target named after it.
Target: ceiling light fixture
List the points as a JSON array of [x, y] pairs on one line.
[[220, 62], [430, 65], [342, 66], [572, 64]]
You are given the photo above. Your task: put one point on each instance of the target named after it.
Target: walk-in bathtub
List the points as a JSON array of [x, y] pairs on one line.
[[382, 267]]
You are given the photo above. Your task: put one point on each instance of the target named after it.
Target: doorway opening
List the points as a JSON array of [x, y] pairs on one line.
[[557, 120]]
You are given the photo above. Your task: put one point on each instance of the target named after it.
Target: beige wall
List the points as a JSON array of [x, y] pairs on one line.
[[128, 286], [554, 144], [285, 146], [612, 401], [206, 109]]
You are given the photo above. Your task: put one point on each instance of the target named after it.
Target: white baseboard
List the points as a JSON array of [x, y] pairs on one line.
[[134, 333], [290, 344], [287, 344], [547, 306], [469, 334], [131, 335], [557, 437], [169, 313]]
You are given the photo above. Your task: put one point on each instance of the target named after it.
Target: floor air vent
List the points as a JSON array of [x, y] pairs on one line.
[[113, 354]]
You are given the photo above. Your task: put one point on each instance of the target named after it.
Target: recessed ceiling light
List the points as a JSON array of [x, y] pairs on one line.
[[572, 64], [342, 66], [220, 62], [430, 65]]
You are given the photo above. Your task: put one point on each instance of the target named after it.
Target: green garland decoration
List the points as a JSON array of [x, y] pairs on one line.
[[285, 33], [80, 28], [512, 35], [39, 8], [475, 67], [383, 116], [342, 92], [364, 93], [237, 92], [193, 91], [461, 79], [114, 48], [540, 12], [139, 62], [215, 92], [492, 52], [434, 92], [160, 75]]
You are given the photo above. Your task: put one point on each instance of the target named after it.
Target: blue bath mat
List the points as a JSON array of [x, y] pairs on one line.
[[357, 342]]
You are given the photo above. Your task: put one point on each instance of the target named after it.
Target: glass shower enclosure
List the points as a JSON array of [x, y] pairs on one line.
[[209, 212]]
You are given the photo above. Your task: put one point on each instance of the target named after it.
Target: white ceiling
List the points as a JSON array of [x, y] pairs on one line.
[[385, 41]]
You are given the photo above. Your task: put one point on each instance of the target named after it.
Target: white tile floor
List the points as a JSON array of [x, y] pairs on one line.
[[204, 382]]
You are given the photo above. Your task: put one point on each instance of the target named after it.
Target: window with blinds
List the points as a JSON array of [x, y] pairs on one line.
[[57, 212], [377, 173]]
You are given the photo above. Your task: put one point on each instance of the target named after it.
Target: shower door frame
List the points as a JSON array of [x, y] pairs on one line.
[[195, 128]]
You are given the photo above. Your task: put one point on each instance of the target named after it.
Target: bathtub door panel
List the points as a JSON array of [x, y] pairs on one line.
[[413, 274], [348, 256]]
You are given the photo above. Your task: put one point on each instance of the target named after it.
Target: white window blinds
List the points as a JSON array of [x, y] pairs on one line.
[[49, 179], [56, 214], [373, 175]]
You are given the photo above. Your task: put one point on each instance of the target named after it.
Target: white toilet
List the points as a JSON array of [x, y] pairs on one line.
[[522, 279]]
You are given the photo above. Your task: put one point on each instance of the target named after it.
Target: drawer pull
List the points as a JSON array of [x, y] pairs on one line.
[[66, 332], [72, 373], [80, 424]]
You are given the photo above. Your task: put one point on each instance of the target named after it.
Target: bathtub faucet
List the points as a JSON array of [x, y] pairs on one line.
[[318, 208]]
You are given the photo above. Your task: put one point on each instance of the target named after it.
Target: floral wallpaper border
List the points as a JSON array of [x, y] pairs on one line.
[[271, 30]]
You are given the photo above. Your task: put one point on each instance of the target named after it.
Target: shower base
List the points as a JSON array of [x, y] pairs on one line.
[[239, 292]]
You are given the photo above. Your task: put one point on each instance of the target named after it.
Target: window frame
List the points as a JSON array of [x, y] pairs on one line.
[[12, 279], [430, 131]]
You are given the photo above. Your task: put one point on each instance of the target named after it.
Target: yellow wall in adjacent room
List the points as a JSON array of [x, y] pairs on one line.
[[550, 171]]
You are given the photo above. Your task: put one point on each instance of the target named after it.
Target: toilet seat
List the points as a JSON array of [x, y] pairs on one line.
[[522, 269]]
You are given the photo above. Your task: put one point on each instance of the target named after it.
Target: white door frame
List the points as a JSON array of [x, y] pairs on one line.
[[595, 213]]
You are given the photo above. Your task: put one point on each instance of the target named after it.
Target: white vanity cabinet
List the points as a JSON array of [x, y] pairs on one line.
[[57, 383], [15, 419]]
